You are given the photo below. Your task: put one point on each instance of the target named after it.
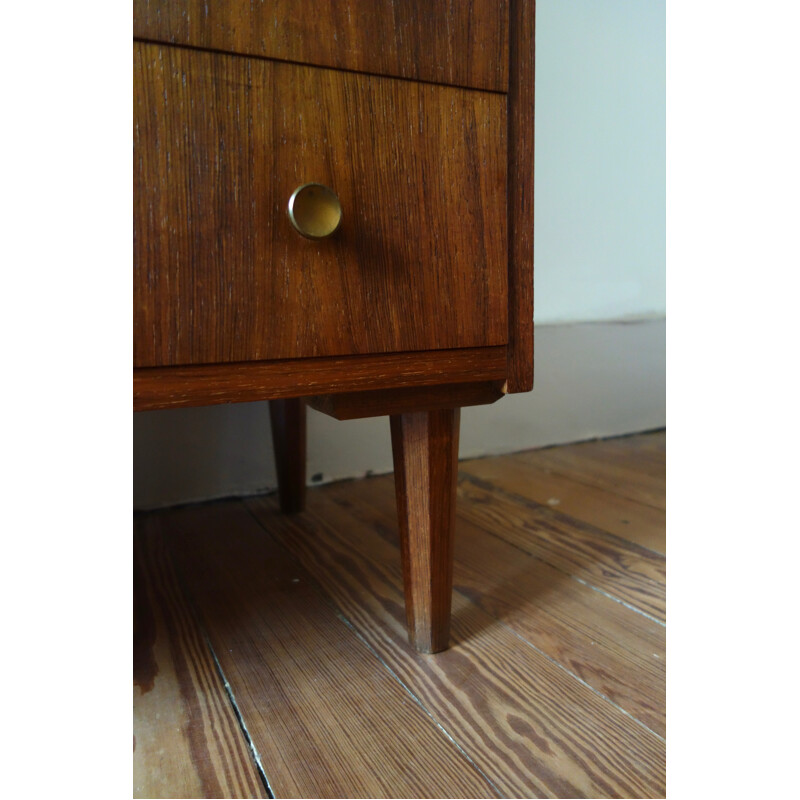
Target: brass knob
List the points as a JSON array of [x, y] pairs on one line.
[[315, 210]]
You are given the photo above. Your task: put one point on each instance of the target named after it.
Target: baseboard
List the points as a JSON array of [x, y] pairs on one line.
[[591, 380]]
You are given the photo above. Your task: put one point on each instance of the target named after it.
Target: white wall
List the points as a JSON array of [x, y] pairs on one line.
[[599, 260], [600, 191]]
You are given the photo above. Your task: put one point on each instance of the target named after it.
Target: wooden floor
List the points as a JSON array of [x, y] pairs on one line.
[[270, 652]]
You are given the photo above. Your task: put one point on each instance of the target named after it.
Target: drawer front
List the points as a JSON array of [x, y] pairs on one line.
[[460, 42], [220, 275]]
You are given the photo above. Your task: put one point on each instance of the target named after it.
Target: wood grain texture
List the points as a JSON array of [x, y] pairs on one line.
[[461, 43], [601, 465], [648, 451], [615, 650], [187, 740], [629, 519], [288, 423], [382, 402], [530, 726], [325, 716], [425, 453], [622, 569], [221, 142], [544, 686], [521, 93], [179, 387]]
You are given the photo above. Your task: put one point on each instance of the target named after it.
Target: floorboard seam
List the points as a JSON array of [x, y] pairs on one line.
[[419, 702], [228, 689], [345, 621], [582, 681], [570, 575], [248, 738], [618, 600], [586, 527], [594, 486]]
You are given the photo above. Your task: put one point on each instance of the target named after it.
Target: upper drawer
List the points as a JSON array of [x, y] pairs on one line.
[[220, 275], [458, 42]]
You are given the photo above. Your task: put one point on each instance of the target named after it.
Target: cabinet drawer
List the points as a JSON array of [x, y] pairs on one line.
[[459, 42], [220, 275]]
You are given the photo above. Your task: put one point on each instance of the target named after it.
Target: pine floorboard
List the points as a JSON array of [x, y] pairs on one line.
[[324, 718], [187, 741], [609, 510], [554, 682], [601, 465], [616, 650]]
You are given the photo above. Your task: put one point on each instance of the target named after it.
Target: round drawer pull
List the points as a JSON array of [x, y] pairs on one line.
[[315, 210]]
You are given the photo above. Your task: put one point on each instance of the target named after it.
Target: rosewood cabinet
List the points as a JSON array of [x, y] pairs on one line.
[[399, 134]]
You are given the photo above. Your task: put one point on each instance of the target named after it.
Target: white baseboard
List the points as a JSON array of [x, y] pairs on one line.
[[591, 380]]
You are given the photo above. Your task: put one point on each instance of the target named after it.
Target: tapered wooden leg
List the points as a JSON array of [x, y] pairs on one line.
[[288, 418], [425, 449]]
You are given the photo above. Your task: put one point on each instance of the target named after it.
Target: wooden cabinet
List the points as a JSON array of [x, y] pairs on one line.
[[419, 117]]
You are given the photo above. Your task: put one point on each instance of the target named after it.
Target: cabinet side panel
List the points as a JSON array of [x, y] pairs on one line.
[[520, 195]]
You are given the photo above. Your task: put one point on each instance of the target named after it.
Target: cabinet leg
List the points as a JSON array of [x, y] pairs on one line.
[[425, 449], [288, 418]]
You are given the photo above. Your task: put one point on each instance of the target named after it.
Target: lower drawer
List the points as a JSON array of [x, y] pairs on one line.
[[220, 275]]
